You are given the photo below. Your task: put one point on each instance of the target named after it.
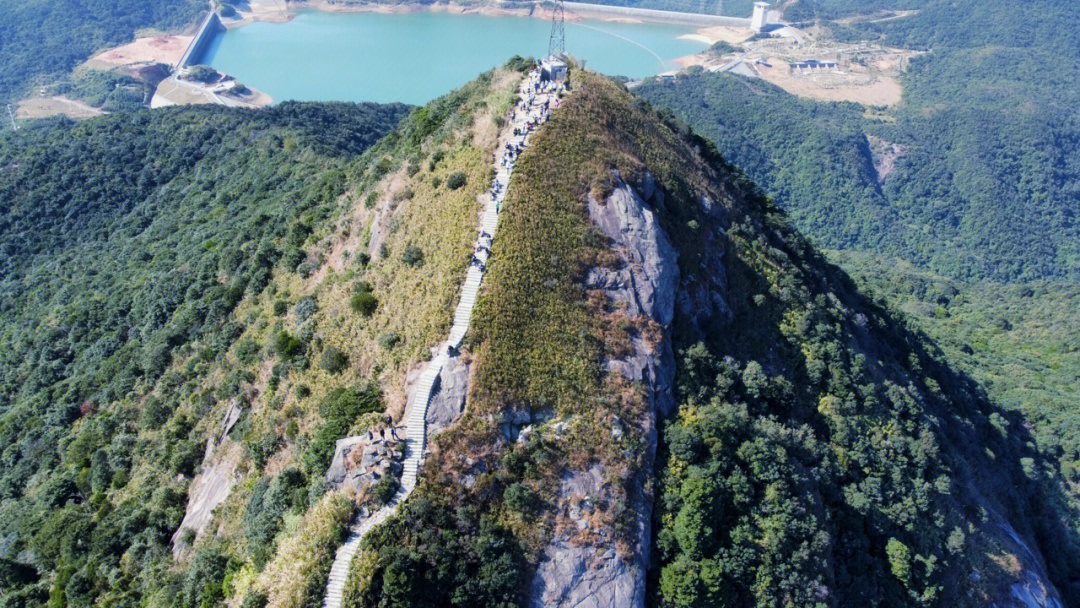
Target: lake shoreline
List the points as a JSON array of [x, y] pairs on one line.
[[459, 42], [579, 12]]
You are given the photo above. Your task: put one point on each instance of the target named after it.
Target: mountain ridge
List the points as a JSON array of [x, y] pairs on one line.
[[671, 398]]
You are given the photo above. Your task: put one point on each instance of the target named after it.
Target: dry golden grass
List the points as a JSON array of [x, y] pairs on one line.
[[297, 574]]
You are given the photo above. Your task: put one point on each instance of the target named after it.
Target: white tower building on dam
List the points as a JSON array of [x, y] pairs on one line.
[[761, 11]]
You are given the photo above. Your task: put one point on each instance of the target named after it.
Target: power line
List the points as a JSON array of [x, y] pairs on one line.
[[11, 113]]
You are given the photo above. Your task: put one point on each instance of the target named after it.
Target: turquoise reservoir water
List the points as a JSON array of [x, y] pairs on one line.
[[416, 57]]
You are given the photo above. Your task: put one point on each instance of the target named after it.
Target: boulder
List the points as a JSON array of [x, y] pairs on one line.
[[448, 398], [335, 475]]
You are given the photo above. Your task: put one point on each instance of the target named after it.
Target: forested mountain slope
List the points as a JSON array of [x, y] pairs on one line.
[[198, 303], [126, 245], [669, 397], [983, 192], [44, 39], [985, 185], [816, 452]]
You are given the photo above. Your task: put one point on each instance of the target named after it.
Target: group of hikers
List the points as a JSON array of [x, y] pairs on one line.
[[538, 99]]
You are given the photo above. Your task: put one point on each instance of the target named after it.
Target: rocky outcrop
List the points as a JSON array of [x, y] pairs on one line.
[[362, 460], [645, 285], [212, 485], [1031, 587], [448, 397]]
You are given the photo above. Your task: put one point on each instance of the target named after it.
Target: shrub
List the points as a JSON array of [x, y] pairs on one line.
[[186, 456], [364, 303], [260, 449], [154, 414], [280, 307], [202, 73], [412, 256], [351, 403], [388, 340], [723, 47], [254, 599], [384, 489], [339, 409], [436, 182], [518, 63], [455, 180], [520, 498], [287, 345], [333, 360], [246, 351], [202, 581], [305, 308], [266, 508], [436, 159]]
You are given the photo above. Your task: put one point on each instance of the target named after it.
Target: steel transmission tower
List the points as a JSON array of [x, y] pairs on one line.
[[557, 42]]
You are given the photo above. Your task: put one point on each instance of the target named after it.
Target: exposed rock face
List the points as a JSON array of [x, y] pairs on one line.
[[209, 489], [213, 483], [646, 283], [884, 155], [1033, 588], [596, 576], [448, 397]]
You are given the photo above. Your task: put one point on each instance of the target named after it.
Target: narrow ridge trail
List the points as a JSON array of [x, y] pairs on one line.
[[534, 108]]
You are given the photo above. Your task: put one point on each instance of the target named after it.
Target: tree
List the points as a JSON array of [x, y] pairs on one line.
[[899, 560], [201, 73], [412, 256]]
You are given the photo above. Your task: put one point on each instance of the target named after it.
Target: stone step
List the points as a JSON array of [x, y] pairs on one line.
[[417, 423]]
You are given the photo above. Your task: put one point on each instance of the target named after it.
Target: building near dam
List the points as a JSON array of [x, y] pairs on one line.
[[761, 15]]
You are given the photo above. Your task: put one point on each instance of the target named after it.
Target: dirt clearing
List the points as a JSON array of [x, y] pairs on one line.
[[720, 33], [155, 49], [871, 90], [40, 107]]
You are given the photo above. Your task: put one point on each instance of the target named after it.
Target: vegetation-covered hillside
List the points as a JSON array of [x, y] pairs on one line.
[[1021, 343], [128, 245], [983, 191], [822, 453], [985, 184], [206, 296], [41, 40]]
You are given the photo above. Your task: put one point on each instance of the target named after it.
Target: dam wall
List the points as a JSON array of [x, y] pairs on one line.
[[648, 14], [210, 27]]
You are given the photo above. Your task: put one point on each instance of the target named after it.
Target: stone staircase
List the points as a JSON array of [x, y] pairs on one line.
[[416, 423]]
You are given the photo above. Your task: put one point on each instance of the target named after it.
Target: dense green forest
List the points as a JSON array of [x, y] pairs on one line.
[[1020, 342], [804, 10], [126, 244], [986, 185], [41, 40]]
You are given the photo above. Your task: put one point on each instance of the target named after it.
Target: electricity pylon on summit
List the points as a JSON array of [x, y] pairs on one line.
[[557, 42]]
